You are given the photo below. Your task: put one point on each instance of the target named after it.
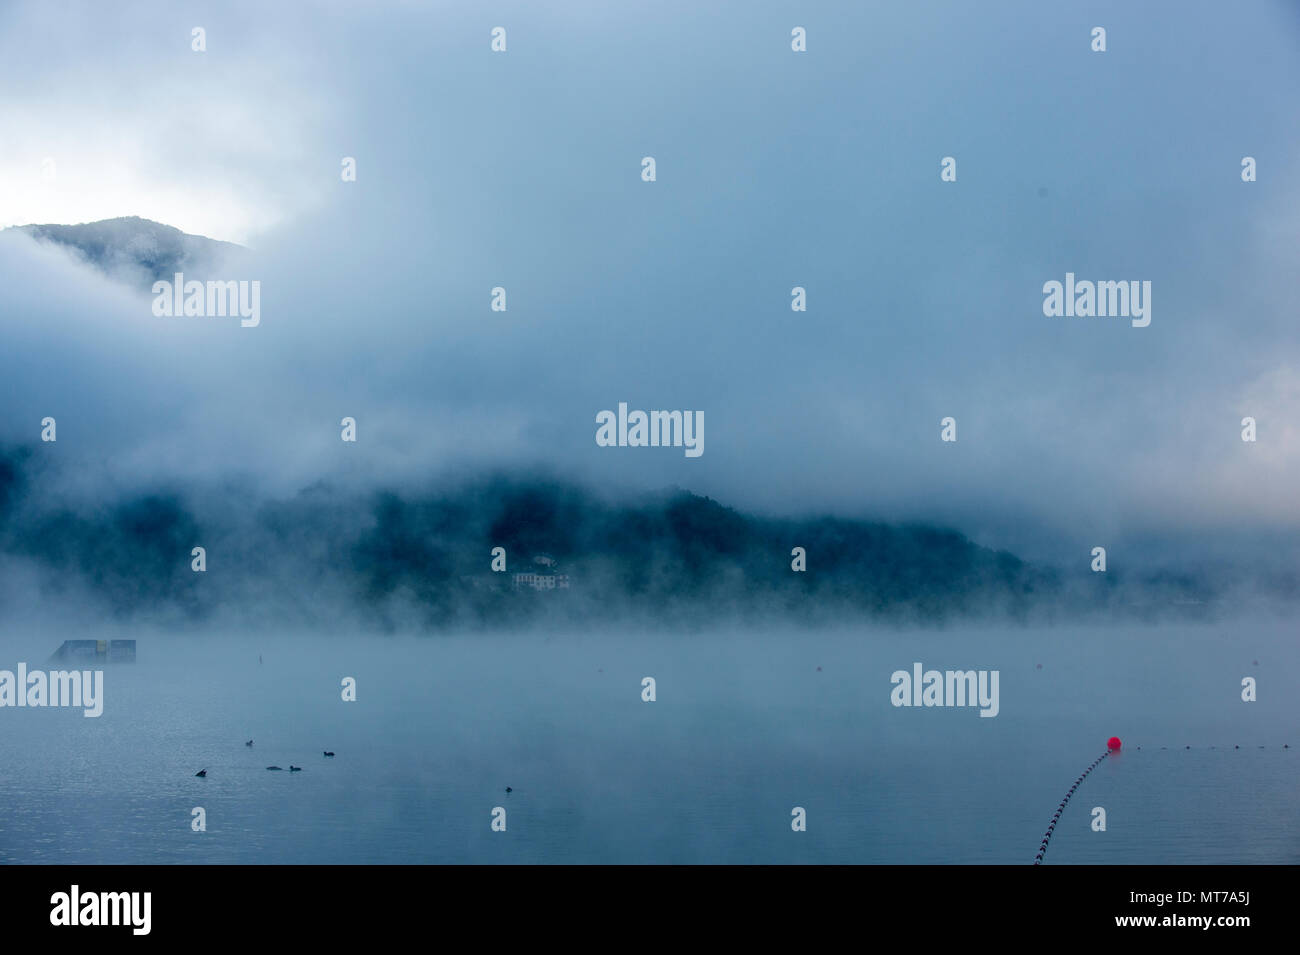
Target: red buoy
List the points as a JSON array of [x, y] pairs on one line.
[[1113, 743]]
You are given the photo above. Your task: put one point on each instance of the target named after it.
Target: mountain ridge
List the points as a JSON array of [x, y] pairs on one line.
[[422, 558], [136, 250]]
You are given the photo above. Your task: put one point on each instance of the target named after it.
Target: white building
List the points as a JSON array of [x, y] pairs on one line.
[[541, 581]]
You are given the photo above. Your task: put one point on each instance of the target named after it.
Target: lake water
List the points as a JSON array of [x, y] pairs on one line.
[[744, 728]]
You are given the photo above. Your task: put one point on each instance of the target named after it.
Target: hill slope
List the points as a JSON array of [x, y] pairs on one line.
[[138, 251]]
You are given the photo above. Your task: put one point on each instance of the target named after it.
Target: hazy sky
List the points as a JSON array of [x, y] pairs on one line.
[[775, 169]]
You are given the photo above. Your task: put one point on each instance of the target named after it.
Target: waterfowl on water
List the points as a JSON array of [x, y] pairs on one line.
[[202, 774]]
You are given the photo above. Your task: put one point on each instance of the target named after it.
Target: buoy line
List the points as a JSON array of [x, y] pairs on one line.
[[1112, 746]]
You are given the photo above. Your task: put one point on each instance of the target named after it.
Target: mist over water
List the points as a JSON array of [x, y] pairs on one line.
[[803, 273], [744, 729]]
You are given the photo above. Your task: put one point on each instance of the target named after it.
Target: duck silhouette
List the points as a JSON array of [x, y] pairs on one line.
[[281, 768], [328, 753], [249, 743], [509, 790], [202, 774], [294, 769]]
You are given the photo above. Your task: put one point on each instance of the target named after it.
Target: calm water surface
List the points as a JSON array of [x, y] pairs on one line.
[[745, 727]]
